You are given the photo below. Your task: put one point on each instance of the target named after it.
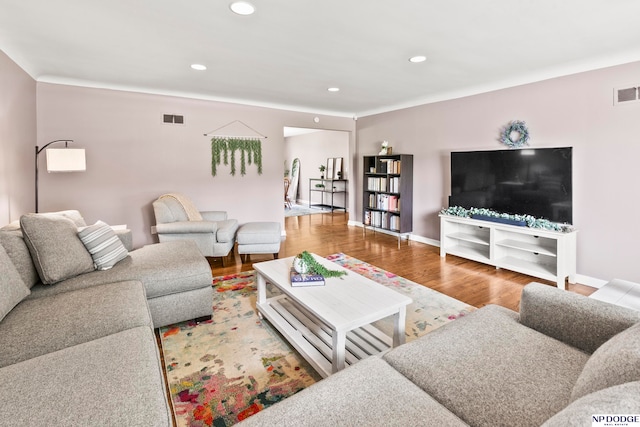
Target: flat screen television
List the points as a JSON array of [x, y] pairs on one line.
[[528, 181]]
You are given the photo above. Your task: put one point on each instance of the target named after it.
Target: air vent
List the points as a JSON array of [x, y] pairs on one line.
[[172, 119], [626, 95]]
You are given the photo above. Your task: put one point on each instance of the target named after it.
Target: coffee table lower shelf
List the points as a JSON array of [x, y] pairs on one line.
[[313, 339]]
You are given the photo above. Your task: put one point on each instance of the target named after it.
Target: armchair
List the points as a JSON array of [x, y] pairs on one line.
[[178, 219]]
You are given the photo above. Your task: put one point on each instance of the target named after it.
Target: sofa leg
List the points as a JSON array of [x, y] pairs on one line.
[[275, 256], [202, 319]]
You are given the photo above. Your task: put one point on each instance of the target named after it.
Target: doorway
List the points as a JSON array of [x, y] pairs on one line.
[[313, 147]]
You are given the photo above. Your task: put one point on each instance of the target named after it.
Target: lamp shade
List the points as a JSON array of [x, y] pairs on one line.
[[66, 160]]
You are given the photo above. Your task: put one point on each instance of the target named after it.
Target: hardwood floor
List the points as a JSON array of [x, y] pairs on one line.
[[474, 283]]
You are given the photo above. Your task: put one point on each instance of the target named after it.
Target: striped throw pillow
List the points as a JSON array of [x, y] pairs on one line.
[[105, 247]]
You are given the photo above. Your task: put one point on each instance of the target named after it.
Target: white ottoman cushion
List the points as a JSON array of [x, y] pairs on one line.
[[259, 237]]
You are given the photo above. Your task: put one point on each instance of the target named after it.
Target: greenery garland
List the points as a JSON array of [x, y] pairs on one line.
[[515, 126], [250, 151], [530, 220], [316, 268]]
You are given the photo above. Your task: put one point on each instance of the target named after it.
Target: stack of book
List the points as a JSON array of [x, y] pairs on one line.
[[390, 166], [382, 220], [384, 202], [306, 279]]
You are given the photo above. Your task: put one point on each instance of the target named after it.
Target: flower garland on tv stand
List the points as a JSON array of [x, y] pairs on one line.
[[531, 221]]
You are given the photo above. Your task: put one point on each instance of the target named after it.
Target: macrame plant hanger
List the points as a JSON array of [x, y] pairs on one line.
[[224, 146]]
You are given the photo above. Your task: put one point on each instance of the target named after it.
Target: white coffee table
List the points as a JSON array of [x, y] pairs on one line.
[[330, 325]]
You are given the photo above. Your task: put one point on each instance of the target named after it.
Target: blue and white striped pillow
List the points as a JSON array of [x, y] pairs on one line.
[[105, 247]]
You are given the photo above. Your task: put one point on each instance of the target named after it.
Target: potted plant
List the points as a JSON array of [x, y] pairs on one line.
[[305, 263], [322, 169]]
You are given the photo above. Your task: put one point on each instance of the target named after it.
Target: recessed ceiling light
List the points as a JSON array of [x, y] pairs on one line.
[[334, 89], [242, 8], [416, 59], [199, 67]]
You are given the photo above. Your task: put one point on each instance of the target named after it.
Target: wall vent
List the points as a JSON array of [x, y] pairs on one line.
[[173, 119], [626, 95]]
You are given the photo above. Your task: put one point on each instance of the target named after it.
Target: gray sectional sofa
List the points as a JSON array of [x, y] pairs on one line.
[[561, 359], [78, 343]]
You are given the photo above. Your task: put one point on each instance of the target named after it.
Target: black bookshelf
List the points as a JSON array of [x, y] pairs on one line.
[[388, 193]]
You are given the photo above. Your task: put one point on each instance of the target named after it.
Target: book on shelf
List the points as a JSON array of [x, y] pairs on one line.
[[306, 279], [385, 202], [390, 166], [391, 185], [379, 219]]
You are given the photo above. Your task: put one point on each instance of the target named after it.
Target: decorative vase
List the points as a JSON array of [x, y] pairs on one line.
[[300, 266]]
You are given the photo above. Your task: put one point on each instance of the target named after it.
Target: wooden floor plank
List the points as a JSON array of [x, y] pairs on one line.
[[471, 282]]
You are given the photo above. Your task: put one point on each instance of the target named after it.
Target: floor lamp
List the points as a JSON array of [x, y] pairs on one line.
[[61, 160]]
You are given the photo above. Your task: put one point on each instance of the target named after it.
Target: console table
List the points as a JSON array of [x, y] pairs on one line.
[[328, 187], [549, 255]]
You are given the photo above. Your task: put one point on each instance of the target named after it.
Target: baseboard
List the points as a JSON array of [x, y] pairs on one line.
[[425, 240], [580, 278]]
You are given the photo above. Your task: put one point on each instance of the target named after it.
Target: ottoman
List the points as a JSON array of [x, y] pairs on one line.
[[258, 238]]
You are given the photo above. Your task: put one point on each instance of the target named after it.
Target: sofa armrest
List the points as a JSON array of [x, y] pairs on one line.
[[214, 215], [125, 237], [574, 319], [185, 227]]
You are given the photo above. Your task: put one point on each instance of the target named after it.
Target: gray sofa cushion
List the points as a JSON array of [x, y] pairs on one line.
[[112, 381], [174, 308], [369, 393], [622, 399], [615, 362], [187, 227], [105, 247], [163, 268], [55, 248], [12, 288], [227, 230], [17, 249], [254, 233], [490, 370], [169, 209], [71, 214], [547, 310], [40, 326]]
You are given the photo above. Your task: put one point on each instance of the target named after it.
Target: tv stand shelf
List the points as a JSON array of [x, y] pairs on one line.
[[548, 255]]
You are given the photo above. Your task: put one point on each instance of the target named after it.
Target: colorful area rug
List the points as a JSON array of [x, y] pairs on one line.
[[221, 371]]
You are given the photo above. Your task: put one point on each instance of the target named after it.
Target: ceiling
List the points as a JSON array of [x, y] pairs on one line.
[[288, 53]]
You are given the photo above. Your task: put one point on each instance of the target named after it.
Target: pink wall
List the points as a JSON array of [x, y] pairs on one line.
[[17, 140], [313, 149], [572, 111], [132, 157]]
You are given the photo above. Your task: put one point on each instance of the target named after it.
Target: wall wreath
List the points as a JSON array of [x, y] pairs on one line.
[[515, 134]]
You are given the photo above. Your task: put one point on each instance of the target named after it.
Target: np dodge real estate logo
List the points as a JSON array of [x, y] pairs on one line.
[[615, 420]]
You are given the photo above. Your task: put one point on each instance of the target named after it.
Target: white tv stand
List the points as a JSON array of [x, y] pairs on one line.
[[546, 254]]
